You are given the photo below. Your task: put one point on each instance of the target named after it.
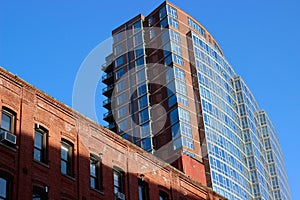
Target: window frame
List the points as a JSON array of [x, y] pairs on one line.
[[143, 190], [163, 195], [39, 191], [69, 162], [8, 178], [43, 150], [120, 187], [12, 115], [98, 172]]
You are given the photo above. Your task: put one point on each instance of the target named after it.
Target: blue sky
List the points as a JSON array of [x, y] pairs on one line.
[[45, 42]]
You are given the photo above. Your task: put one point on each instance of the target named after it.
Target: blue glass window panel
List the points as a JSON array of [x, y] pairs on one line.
[[141, 76], [144, 116], [140, 62], [119, 61], [145, 130], [138, 39], [143, 102], [182, 100], [121, 86], [168, 60], [175, 131], [174, 116], [177, 59], [146, 144], [177, 143], [137, 26], [175, 36], [6, 122], [120, 73], [179, 74], [186, 130], [139, 51], [184, 115], [122, 111], [123, 125], [165, 37], [162, 13], [173, 22], [3, 188], [172, 11], [142, 89], [172, 100]]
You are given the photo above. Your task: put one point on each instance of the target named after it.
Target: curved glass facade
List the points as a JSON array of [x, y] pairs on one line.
[[243, 150]]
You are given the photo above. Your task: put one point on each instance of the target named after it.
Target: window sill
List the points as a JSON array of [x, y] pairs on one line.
[[14, 149], [41, 163], [69, 177], [98, 191]]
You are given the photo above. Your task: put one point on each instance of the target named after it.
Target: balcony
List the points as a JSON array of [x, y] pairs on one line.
[[107, 103], [108, 116], [108, 78], [108, 66], [107, 91]]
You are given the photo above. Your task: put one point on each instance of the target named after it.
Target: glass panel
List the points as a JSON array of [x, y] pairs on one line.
[[141, 196], [146, 144], [143, 102], [144, 116], [121, 98], [142, 89], [145, 130], [93, 169], [63, 167], [64, 152], [6, 121], [137, 26], [38, 140], [122, 111], [3, 184], [140, 62], [123, 125], [120, 73], [141, 76], [121, 85], [119, 61], [173, 116], [175, 131], [93, 182], [37, 155], [162, 12], [139, 51], [36, 197], [138, 39]]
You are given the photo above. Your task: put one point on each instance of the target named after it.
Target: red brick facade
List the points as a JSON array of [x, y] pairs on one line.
[[34, 110]]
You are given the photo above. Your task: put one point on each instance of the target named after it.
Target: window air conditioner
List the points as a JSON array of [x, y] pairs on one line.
[[120, 196], [7, 136]]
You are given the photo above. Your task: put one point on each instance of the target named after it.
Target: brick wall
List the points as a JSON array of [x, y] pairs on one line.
[[33, 107]]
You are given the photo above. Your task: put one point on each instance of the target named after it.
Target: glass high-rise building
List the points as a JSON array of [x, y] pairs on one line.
[[171, 91]]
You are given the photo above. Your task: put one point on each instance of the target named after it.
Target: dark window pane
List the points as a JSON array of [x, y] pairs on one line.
[[38, 140], [37, 155], [6, 122], [3, 188]]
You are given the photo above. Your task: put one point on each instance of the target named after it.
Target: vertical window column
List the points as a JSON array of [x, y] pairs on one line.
[[95, 172], [66, 158], [40, 144]]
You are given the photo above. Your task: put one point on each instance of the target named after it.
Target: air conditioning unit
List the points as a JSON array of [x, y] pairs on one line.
[[7, 136], [120, 196]]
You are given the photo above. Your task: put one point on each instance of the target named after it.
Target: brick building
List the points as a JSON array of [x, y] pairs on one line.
[[49, 151]]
